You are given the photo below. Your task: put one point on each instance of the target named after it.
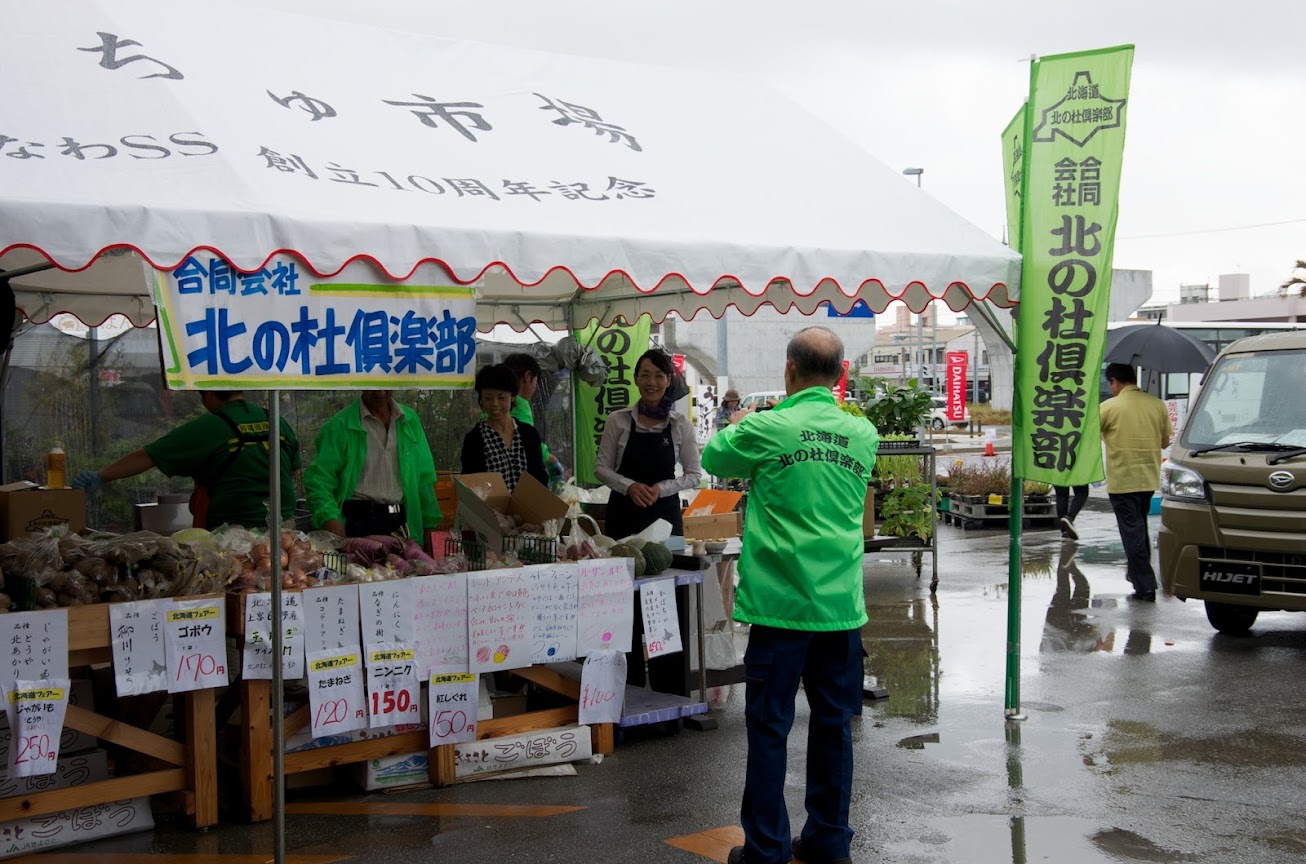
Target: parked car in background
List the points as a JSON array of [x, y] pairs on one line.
[[939, 414]]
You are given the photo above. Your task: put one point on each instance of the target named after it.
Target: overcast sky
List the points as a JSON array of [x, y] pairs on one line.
[[1213, 171]]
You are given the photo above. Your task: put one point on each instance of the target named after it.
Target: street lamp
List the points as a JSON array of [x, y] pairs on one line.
[[920, 332]]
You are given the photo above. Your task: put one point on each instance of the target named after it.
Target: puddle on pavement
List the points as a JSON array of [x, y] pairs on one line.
[[918, 742], [998, 839], [1131, 743]]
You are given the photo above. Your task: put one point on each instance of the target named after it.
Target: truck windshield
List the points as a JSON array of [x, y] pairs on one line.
[[1252, 400]]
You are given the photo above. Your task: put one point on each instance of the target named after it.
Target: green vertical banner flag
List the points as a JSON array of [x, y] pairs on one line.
[[1074, 145], [1013, 169], [620, 345]]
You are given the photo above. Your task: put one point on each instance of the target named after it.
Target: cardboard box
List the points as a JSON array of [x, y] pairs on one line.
[[390, 771], [481, 495], [712, 515], [66, 827], [717, 527], [868, 518], [26, 508]]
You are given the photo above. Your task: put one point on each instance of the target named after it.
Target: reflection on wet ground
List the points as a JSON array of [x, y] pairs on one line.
[[1070, 624]]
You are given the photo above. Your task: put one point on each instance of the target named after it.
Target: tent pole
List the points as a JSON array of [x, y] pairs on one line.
[[278, 630]]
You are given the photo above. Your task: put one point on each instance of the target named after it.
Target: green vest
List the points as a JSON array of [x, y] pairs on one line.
[[809, 465]]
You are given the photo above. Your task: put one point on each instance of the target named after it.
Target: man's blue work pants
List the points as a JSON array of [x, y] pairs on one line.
[[829, 665]]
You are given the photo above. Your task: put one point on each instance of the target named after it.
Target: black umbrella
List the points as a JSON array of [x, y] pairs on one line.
[[1157, 348]]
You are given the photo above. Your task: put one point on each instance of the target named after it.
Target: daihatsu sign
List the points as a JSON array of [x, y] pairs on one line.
[[957, 385]]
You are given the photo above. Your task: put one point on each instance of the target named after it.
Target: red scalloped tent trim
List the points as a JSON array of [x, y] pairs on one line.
[[511, 273]]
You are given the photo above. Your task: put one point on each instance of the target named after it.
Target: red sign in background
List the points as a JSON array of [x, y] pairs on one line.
[[957, 385], [841, 389]]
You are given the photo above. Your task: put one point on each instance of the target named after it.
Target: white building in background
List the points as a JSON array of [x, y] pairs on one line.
[[748, 352], [1233, 300]]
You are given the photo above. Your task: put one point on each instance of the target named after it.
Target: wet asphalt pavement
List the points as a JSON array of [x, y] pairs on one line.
[[1149, 738]]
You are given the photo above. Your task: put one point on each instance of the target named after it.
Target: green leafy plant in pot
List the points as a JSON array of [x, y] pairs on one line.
[[899, 410], [909, 512]]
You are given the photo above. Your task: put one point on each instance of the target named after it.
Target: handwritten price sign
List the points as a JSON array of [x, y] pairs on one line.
[[195, 645], [392, 684], [335, 692], [602, 687], [36, 712], [453, 708]]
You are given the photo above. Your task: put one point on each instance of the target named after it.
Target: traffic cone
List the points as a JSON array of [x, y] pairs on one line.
[[988, 449]]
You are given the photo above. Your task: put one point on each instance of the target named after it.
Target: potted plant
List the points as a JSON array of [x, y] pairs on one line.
[[908, 512], [899, 411]]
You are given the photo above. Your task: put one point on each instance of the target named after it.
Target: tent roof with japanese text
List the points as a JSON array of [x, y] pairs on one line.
[[565, 188]]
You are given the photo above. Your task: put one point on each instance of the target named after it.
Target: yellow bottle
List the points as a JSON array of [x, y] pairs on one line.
[[56, 468]]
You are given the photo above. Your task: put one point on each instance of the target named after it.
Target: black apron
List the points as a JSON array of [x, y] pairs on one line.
[[650, 458]]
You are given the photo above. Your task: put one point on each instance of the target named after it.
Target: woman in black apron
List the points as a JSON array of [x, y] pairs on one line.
[[637, 460], [639, 451]]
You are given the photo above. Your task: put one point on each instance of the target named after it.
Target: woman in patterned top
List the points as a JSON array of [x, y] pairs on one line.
[[500, 443]]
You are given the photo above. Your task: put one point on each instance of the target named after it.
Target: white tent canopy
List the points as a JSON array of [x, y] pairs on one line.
[[565, 188]]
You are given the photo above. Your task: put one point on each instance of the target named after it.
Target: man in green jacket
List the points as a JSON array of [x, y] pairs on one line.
[[801, 590], [373, 471]]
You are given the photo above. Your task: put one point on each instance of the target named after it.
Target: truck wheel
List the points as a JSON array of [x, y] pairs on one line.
[[1230, 619]]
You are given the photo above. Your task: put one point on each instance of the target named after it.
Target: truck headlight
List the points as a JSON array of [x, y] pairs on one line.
[[1182, 484]]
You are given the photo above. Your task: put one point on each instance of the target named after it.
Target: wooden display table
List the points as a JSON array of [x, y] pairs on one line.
[[188, 767], [256, 778]]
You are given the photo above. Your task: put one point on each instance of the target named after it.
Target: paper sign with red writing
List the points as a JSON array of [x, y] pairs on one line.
[[336, 701], [607, 605], [602, 687], [393, 689], [657, 601], [440, 623], [451, 714], [36, 711], [139, 662], [195, 644], [498, 620]]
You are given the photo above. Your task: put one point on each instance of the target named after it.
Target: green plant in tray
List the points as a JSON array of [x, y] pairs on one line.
[[909, 512]]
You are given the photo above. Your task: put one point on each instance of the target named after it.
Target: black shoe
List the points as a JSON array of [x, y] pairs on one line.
[[1068, 529], [797, 845], [736, 856], [1143, 596]]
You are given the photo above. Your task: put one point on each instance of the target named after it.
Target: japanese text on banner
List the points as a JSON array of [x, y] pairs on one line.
[[1073, 155], [620, 346], [956, 371], [284, 327]]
